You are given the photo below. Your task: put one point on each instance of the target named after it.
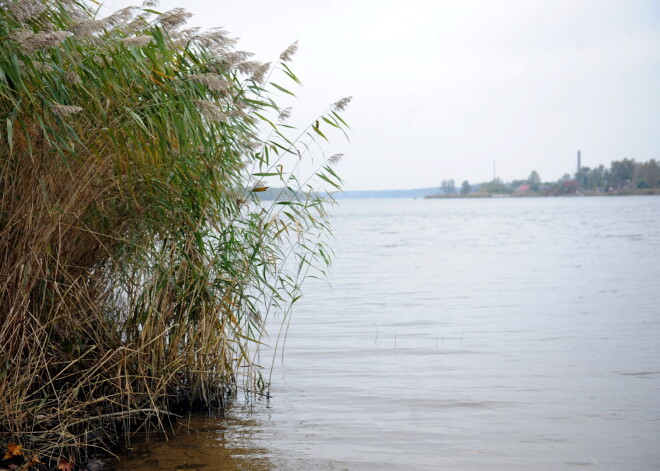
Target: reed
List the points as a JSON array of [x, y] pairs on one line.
[[137, 262]]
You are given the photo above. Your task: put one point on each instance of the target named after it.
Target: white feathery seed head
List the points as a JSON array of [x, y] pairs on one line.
[[211, 111], [174, 18], [212, 81], [138, 41], [335, 159], [181, 38], [237, 112], [190, 33], [21, 35], [25, 10], [46, 40], [289, 52], [342, 104], [255, 144], [259, 75], [284, 114], [87, 28], [216, 37], [42, 68], [73, 9], [248, 67], [120, 17], [65, 110], [136, 26], [233, 58], [72, 76]]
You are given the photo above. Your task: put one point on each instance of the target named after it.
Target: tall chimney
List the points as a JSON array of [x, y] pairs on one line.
[[579, 163]]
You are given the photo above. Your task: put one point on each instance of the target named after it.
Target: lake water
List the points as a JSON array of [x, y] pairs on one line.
[[486, 334]]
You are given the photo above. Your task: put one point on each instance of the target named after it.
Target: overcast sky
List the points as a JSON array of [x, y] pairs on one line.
[[443, 89]]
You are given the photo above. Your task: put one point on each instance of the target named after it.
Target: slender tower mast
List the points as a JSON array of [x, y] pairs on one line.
[[579, 162]]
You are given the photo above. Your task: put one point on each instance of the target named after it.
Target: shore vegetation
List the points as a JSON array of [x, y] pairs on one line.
[[137, 263], [622, 177]]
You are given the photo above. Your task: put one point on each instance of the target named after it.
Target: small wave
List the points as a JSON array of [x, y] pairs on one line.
[[641, 373]]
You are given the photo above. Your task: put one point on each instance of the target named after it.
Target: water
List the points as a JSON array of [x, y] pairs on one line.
[[490, 334]]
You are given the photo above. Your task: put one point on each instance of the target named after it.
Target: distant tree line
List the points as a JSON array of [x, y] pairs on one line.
[[624, 173], [621, 174]]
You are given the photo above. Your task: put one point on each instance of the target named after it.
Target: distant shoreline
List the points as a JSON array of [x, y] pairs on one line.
[[531, 194]]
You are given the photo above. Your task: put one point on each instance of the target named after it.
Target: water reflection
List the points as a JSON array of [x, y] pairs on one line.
[[203, 443]]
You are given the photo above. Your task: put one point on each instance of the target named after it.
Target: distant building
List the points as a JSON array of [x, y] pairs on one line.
[[523, 188], [570, 187]]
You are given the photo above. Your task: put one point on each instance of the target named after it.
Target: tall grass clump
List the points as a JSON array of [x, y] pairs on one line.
[[137, 261]]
